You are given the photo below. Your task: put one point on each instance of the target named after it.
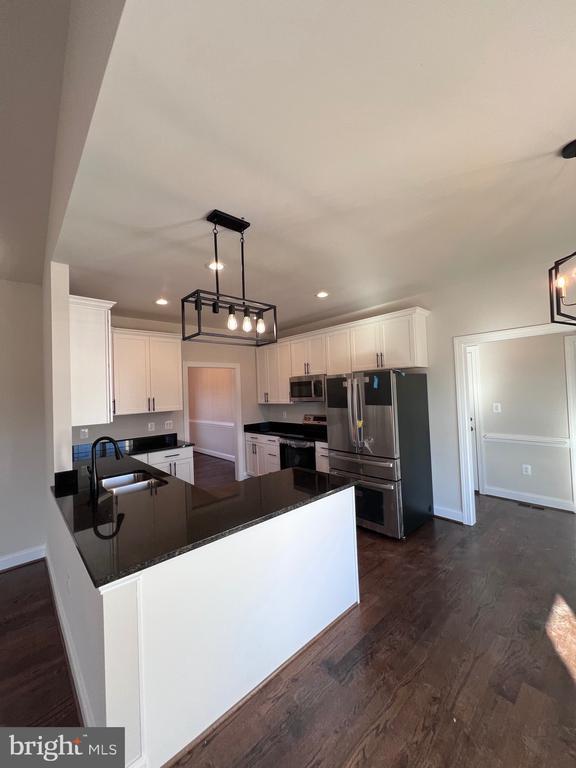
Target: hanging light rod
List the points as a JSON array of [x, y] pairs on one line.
[[258, 318]]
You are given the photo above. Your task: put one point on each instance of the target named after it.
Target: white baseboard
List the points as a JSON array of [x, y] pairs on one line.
[[78, 678], [529, 498], [217, 454], [448, 514], [22, 557]]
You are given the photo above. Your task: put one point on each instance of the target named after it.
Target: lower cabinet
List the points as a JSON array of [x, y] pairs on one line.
[[178, 462], [322, 463], [262, 455]]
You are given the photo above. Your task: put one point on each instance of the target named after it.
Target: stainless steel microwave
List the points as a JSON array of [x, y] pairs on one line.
[[308, 389]]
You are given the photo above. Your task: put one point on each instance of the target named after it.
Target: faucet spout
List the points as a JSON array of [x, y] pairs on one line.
[[93, 469]]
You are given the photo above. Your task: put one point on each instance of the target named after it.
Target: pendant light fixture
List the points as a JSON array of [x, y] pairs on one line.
[[562, 288], [195, 327]]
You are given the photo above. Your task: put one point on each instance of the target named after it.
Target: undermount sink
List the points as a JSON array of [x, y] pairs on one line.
[[131, 482]]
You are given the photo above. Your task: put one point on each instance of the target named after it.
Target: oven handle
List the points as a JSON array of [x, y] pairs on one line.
[[362, 460], [377, 486]]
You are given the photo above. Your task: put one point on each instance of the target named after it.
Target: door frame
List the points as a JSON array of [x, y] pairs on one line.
[[461, 345], [473, 374], [240, 463], [570, 361]]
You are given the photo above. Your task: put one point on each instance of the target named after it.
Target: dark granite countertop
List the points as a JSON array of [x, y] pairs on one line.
[[288, 429], [120, 535], [131, 446]]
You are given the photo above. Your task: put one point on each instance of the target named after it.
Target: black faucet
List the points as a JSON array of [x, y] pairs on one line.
[[93, 471]]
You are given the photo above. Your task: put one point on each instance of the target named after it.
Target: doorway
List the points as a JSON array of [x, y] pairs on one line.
[[213, 418], [488, 444]]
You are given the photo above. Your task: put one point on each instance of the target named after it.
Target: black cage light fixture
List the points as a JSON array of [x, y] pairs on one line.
[[562, 286], [256, 320]]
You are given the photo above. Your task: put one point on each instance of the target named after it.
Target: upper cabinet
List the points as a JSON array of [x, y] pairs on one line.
[[147, 372], [273, 371], [308, 355], [397, 341], [90, 361], [338, 353]]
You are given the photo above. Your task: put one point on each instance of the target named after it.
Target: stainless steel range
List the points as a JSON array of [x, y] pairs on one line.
[[378, 433]]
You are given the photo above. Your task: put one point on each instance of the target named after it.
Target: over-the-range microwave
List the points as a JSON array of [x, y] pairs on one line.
[[308, 389]]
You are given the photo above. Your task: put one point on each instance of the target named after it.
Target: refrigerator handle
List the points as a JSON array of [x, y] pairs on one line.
[[349, 384], [359, 413]]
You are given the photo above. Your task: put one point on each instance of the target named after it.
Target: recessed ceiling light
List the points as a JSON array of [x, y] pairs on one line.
[[161, 301], [213, 266], [322, 294]]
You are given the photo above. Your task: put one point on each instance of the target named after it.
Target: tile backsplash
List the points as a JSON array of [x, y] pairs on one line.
[[294, 413]]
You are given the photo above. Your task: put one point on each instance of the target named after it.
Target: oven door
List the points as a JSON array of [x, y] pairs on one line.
[[378, 505]]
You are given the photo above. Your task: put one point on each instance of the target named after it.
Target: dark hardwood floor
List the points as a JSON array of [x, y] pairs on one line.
[[35, 687], [211, 472], [452, 660], [446, 662]]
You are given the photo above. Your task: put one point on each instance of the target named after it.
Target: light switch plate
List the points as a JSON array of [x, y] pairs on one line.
[[497, 407], [84, 433], [527, 469], [151, 426]]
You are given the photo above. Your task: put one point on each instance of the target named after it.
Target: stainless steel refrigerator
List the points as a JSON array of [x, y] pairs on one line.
[[378, 434]]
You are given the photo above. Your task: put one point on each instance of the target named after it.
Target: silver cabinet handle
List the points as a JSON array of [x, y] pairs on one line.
[[171, 455]]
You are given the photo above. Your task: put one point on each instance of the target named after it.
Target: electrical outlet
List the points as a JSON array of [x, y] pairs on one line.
[[151, 426], [527, 469], [284, 414], [496, 407], [84, 432], [168, 424]]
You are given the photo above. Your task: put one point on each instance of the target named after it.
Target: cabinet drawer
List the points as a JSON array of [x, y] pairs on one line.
[[171, 454]]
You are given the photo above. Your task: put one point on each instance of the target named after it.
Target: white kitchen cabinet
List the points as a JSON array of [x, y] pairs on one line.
[[338, 354], [404, 341], [262, 454], [273, 373], [308, 355], [90, 361], [366, 346], [322, 462], [147, 372], [178, 462]]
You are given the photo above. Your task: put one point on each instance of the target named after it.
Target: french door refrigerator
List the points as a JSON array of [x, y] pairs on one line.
[[378, 434]]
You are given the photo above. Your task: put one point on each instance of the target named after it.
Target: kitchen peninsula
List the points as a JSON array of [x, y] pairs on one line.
[[195, 598]]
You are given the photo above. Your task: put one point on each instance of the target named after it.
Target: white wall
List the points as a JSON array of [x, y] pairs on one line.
[[527, 377], [23, 477]]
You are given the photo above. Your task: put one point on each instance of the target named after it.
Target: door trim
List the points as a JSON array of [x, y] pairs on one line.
[[461, 345]]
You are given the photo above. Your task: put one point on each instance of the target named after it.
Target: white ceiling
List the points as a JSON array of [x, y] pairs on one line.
[[378, 148]]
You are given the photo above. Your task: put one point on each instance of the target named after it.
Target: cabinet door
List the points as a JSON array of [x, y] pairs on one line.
[[166, 374], [90, 362], [251, 458], [270, 458], [398, 342], [317, 354], [131, 373], [365, 341], [273, 373], [185, 470], [165, 466], [299, 357], [284, 372], [262, 374], [338, 356]]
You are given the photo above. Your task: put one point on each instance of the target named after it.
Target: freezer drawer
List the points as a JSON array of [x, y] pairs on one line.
[[378, 506], [368, 467]]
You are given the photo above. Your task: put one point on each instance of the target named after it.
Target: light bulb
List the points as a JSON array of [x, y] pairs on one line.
[[260, 325], [246, 323], [162, 302], [561, 285], [232, 323], [215, 266]]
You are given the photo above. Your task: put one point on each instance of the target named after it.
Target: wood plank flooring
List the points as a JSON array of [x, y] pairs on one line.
[[35, 687], [211, 472], [447, 662]]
